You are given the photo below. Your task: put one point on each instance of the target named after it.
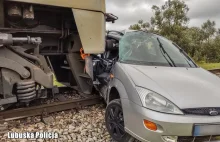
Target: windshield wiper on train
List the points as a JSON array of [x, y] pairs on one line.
[[164, 52]]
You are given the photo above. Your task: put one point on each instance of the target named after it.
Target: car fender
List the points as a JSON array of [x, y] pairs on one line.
[[116, 83], [124, 85]]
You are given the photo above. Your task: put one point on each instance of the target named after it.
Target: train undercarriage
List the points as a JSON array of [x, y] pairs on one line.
[[38, 42]]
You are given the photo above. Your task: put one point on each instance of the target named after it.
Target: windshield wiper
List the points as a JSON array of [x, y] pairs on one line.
[[182, 52], [185, 55], [164, 52]]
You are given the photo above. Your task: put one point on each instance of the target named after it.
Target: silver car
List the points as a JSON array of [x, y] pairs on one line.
[[156, 93]]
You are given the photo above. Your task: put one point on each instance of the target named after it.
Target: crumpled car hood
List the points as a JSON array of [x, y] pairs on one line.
[[187, 88]]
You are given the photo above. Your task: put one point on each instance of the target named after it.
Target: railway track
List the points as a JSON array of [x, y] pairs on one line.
[[46, 109], [215, 71]]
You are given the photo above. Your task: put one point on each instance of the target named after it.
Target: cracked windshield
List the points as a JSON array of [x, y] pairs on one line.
[[151, 49]]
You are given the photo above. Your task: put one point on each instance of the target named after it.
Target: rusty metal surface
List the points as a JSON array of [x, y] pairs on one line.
[[215, 71], [49, 108]]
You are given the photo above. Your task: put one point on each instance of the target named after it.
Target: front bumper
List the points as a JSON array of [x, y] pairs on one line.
[[168, 124]]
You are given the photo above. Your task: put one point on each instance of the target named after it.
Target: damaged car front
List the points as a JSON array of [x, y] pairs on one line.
[[163, 95]]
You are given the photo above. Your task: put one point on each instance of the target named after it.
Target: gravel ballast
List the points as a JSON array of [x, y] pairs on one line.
[[78, 125]]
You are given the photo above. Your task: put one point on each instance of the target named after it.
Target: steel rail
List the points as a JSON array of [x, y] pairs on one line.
[[215, 71], [48, 108]]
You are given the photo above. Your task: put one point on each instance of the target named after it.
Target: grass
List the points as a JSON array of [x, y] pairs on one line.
[[209, 66]]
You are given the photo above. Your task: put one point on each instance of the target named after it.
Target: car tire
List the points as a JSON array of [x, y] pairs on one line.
[[115, 122]]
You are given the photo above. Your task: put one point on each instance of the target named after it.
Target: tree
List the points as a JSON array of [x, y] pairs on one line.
[[171, 20], [209, 29], [192, 38], [140, 26]]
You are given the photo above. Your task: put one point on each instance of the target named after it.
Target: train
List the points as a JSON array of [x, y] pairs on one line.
[[42, 39]]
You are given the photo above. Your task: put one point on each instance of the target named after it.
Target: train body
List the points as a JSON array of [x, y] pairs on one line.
[[39, 38]]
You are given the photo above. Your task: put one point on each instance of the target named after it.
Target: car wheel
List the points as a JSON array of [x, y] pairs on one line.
[[115, 122]]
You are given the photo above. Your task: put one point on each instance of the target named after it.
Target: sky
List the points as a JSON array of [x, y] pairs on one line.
[[130, 11]]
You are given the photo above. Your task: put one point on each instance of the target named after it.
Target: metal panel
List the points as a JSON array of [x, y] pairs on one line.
[[37, 74], [96, 5], [9, 78], [91, 27], [77, 69], [12, 65], [8, 100], [1, 14]]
